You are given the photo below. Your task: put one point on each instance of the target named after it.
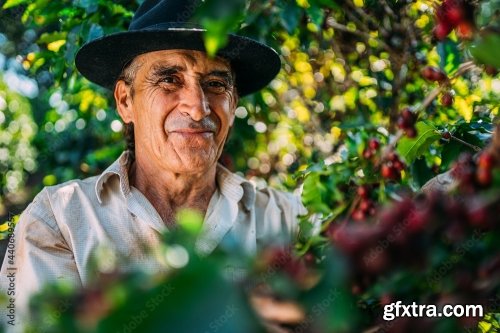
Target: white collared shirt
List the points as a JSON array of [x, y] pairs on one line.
[[59, 232]]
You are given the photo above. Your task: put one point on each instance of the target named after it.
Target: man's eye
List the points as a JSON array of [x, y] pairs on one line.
[[216, 86], [170, 79]]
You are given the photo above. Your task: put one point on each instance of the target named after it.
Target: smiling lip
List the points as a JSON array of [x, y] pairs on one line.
[[192, 132]]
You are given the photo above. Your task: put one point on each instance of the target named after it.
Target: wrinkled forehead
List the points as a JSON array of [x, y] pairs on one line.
[[188, 59]]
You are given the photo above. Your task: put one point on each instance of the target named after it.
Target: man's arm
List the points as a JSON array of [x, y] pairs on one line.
[[37, 255]]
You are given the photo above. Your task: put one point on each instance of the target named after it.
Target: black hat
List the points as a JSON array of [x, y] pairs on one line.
[[164, 25]]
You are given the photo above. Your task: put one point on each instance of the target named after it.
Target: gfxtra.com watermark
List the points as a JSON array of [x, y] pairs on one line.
[[398, 309]]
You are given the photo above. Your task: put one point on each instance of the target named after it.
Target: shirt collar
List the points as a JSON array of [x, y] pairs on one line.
[[233, 186], [119, 168]]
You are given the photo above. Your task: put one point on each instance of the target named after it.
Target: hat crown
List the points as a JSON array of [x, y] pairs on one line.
[[171, 25], [164, 13]]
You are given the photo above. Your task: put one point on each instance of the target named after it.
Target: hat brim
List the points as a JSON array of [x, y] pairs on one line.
[[102, 60]]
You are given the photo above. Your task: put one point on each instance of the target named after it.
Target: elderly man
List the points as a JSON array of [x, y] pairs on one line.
[[179, 104]]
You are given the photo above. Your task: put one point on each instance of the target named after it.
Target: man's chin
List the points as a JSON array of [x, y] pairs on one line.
[[193, 164]]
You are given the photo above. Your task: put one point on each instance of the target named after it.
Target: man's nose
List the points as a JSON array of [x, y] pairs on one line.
[[194, 102]]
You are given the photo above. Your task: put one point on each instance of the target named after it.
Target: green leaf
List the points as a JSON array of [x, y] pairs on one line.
[[487, 49], [316, 14], [290, 16], [47, 38], [325, 4], [13, 3], [219, 18], [313, 193], [95, 32], [190, 220], [449, 55], [410, 149], [215, 38], [89, 5], [450, 153], [421, 172]]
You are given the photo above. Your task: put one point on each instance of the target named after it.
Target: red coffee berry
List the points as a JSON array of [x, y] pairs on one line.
[[408, 116], [358, 215], [478, 217], [490, 70], [387, 172], [484, 176], [486, 160], [374, 144], [411, 132], [454, 13], [441, 31], [433, 74], [447, 99], [392, 156], [465, 30], [367, 153], [309, 258], [398, 165], [406, 119], [446, 135], [417, 220], [439, 76], [363, 191], [365, 205], [428, 73]]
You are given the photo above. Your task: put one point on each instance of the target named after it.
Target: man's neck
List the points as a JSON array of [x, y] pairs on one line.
[[168, 192]]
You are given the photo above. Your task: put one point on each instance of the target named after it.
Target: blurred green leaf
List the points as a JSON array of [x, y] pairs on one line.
[[450, 152], [190, 220], [290, 16], [410, 149], [95, 32], [12, 3], [421, 172], [487, 49], [449, 55]]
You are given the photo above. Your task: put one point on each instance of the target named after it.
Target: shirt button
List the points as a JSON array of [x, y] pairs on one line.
[[133, 215]]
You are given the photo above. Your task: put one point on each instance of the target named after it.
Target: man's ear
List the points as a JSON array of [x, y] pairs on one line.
[[123, 99]]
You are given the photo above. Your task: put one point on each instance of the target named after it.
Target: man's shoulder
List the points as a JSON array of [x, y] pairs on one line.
[[281, 198], [287, 202], [87, 185], [52, 195]]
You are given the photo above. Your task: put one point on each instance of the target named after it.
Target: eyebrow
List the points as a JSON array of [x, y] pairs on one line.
[[162, 70], [226, 75]]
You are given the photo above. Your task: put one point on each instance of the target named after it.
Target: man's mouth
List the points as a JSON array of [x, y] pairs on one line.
[[193, 132]]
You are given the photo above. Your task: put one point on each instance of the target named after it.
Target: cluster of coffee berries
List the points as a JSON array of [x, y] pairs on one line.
[[408, 227], [454, 14], [406, 122], [371, 148], [366, 206], [471, 175], [392, 167], [434, 74], [285, 261]]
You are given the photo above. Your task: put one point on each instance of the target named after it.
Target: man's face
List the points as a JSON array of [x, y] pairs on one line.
[[182, 106]]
